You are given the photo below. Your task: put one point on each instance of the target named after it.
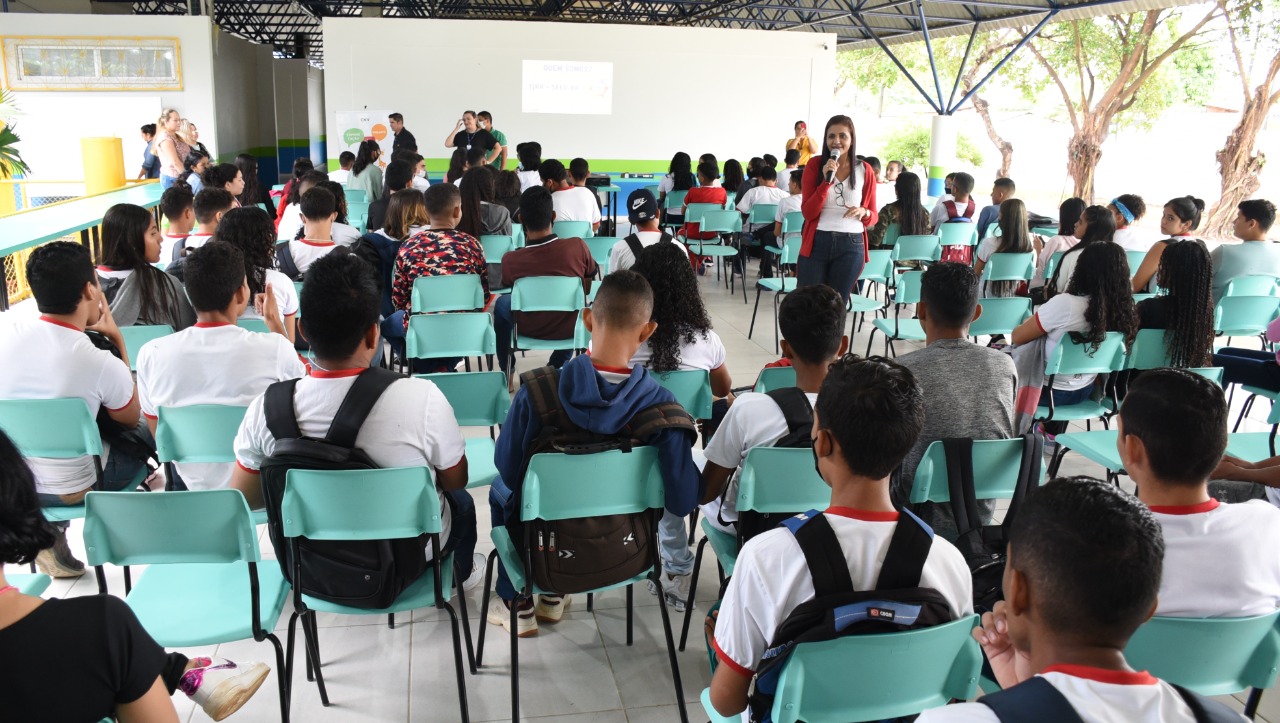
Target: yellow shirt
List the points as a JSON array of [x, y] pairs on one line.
[[805, 146]]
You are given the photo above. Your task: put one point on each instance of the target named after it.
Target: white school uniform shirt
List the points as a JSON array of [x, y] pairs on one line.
[[620, 256], [194, 241], [704, 353], [771, 579], [1098, 696], [529, 179], [1131, 239], [48, 359], [760, 194], [285, 292], [1051, 247], [211, 363], [420, 183], [411, 425], [789, 204], [575, 204], [290, 222], [754, 420], [886, 193], [167, 243], [344, 235], [305, 252], [1220, 561], [340, 176], [1057, 317], [784, 177]]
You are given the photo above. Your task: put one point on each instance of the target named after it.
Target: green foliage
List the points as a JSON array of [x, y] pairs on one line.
[[910, 144], [11, 162]]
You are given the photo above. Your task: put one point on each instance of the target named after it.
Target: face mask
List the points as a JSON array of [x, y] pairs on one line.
[[420, 174], [814, 450]]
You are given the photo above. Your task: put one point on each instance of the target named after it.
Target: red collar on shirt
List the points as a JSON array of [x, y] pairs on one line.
[[312, 242], [59, 322], [212, 324], [1208, 506], [1113, 677], [864, 515], [339, 374], [199, 235], [108, 269], [612, 370]]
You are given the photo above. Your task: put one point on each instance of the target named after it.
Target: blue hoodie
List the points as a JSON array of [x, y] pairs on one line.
[[600, 406]]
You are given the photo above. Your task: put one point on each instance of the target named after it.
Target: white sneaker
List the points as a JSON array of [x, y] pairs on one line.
[[220, 686], [476, 577], [675, 588], [550, 608], [526, 622], [59, 561]]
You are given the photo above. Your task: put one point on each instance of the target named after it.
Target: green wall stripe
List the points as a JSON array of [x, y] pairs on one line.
[[294, 143]]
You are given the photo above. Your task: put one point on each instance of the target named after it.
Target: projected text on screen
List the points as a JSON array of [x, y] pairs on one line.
[[567, 86]]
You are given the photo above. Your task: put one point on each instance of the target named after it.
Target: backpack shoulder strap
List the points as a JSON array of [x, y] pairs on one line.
[[1028, 475], [968, 210], [1206, 710], [795, 407], [822, 553], [908, 551], [652, 421], [1034, 700], [951, 209], [633, 243], [284, 259], [543, 385], [960, 484], [355, 407], [277, 404]]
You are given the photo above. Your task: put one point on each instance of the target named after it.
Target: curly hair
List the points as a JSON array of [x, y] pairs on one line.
[[1187, 272], [23, 529], [677, 305], [1102, 274], [253, 232]]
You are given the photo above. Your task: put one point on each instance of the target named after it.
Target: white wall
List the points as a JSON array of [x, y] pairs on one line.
[[243, 96], [52, 122], [315, 115], [739, 91]]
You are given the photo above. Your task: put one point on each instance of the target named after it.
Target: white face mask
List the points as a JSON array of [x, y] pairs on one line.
[[420, 174]]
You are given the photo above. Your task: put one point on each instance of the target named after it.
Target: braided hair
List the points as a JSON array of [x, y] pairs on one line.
[[677, 305], [1186, 271], [1102, 274]]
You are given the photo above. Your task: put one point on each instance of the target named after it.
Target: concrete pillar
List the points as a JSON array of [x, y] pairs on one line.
[[103, 160], [942, 153]]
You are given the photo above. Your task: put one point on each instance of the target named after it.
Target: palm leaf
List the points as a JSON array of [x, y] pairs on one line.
[[11, 162]]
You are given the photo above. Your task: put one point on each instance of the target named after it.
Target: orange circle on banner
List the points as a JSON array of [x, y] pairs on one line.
[[379, 132]]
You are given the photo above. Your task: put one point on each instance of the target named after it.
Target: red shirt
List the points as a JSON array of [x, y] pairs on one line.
[[702, 194]]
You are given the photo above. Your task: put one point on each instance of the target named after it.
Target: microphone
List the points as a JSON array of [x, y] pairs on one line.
[[835, 156]]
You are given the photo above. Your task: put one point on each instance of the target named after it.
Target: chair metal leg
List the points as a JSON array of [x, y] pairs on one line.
[[1251, 706], [751, 329], [870, 339], [671, 653], [1244, 411], [466, 622], [777, 303], [282, 671], [631, 589], [693, 591], [310, 636], [484, 606], [391, 620], [457, 664], [591, 602], [515, 661], [693, 524]]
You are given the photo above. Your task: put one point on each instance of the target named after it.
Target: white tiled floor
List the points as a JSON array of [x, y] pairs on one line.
[[578, 671]]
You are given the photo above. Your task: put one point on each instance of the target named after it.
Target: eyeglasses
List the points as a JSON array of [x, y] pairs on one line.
[[840, 195]]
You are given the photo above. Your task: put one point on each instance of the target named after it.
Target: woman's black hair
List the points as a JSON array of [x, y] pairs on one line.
[[1187, 208], [365, 155], [506, 190], [456, 162], [677, 304], [1187, 273], [1100, 225], [732, 175], [124, 246], [1134, 203], [301, 167], [680, 162], [853, 136], [912, 218], [253, 232], [339, 195], [252, 192], [1015, 237], [24, 532], [1068, 213], [1102, 274], [477, 188], [219, 175], [192, 160]]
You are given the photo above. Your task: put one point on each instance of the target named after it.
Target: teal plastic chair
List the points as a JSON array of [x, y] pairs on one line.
[[371, 504], [439, 336], [453, 292], [135, 336], [198, 434], [672, 204], [730, 199], [995, 471], [878, 270], [1213, 374], [495, 246], [1244, 315], [545, 293], [255, 325], [1001, 316], [59, 429], [874, 677], [29, 583], [917, 248], [1008, 267], [763, 213], [1212, 656], [1253, 285], [1070, 357], [775, 378], [572, 229], [1046, 231], [562, 487], [792, 223], [1148, 351], [203, 584], [278, 187], [1135, 260], [355, 195], [891, 234], [601, 248], [711, 218], [479, 399], [772, 480], [1051, 265], [517, 234], [692, 389], [897, 328], [958, 234], [780, 285]]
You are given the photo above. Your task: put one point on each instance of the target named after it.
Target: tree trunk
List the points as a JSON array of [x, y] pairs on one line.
[[1084, 150], [1238, 164], [1005, 147]]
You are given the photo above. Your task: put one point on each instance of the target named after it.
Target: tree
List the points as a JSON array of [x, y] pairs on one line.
[[910, 145], [11, 162], [1114, 68], [1251, 29]]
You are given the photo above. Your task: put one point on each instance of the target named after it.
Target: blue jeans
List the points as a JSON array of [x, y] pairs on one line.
[[462, 532], [673, 542], [503, 324], [167, 181], [500, 499], [835, 259], [1061, 398]]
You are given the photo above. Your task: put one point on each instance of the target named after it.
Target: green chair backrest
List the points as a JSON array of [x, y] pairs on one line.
[[135, 336], [791, 251], [1001, 316], [730, 199], [1149, 351], [57, 428], [1135, 260], [198, 433], [1253, 285], [255, 325], [763, 213], [199, 526], [517, 234], [879, 266], [565, 486], [674, 200], [1215, 374], [917, 248], [692, 389], [874, 677], [453, 292], [464, 334], [958, 234], [581, 337], [495, 246], [479, 399], [278, 187], [601, 249], [1051, 265], [364, 504], [355, 195], [995, 471], [1070, 357], [694, 212], [652, 188], [908, 288], [721, 221], [781, 479], [775, 378], [891, 234], [572, 229], [793, 222], [1010, 267], [357, 208], [547, 293], [1212, 656], [1049, 231], [1244, 315]]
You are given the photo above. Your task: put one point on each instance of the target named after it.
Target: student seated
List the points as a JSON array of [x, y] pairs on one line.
[[905, 210], [215, 361], [138, 292], [292, 191], [291, 218], [812, 322], [1184, 311], [708, 191], [346, 160], [642, 212], [319, 211], [601, 393], [1068, 214], [1128, 209], [1255, 256], [52, 358], [399, 177], [1014, 238], [765, 191], [250, 231], [789, 204], [1220, 560], [1083, 573], [529, 154], [1001, 191], [957, 206], [411, 424], [210, 206], [177, 204], [1181, 216], [791, 161], [968, 389], [572, 203], [343, 233], [867, 417], [543, 254], [1095, 225]]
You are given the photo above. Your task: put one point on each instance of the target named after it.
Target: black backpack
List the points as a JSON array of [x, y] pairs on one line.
[[633, 243], [1035, 700], [896, 604], [575, 555], [796, 409], [983, 546], [367, 574]]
